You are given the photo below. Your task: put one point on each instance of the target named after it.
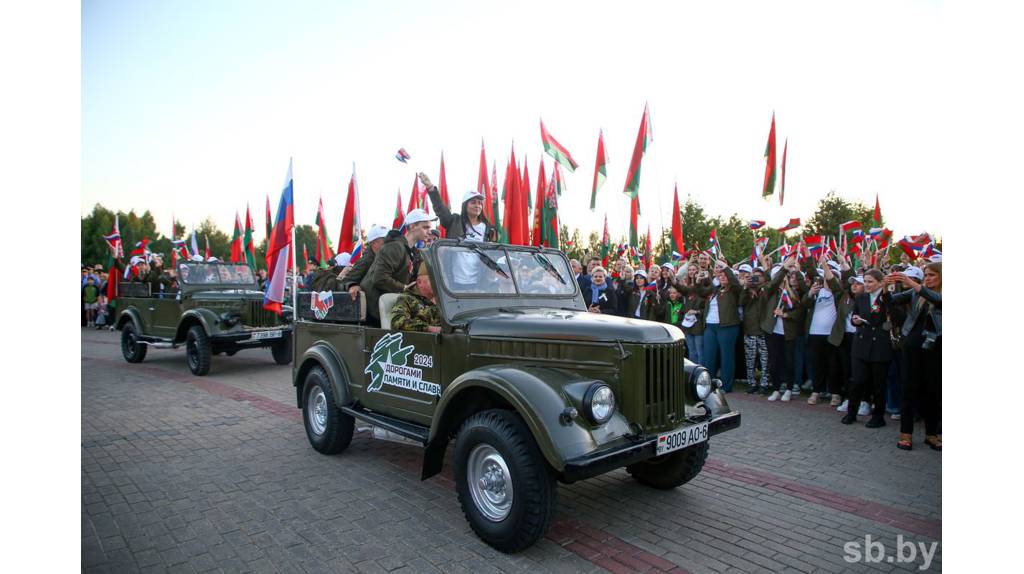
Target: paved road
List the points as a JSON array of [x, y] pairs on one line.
[[197, 474]]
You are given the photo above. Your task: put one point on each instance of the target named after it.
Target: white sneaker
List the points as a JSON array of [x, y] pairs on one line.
[[786, 396], [775, 396], [843, 407], [864, 410]]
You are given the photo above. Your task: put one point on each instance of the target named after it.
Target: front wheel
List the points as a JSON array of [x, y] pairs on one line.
[[329, 429], [131, 348], [505, 487], [198, 350], [670, 470], [282, 350]]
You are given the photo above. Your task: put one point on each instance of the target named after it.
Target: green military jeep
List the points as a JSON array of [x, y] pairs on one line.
[[217, 308], [532, 388]]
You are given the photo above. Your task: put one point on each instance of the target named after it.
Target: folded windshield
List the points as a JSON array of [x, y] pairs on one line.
[[499, 271]]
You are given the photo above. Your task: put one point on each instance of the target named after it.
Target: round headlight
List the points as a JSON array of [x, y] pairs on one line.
[[599, 403], [702, 384]]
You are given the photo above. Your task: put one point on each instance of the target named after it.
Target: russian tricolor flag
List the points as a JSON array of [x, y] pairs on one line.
[[279, 247], [756, 224]]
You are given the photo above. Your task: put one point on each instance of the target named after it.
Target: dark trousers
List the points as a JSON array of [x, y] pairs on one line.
[[868, 376], [780, 360], [922, 384], [825, 364], [845, 356]]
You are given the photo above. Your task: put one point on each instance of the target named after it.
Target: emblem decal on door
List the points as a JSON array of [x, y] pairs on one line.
[[388, 366]]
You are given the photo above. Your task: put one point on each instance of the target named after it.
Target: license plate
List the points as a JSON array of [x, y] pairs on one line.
[[260, 335], [682, 438]]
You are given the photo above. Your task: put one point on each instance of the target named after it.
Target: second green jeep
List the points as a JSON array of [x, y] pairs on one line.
[[532, 388]]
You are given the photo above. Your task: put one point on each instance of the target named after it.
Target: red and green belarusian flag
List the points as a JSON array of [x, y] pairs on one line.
[[443, 189], [549, 212], [634, 213], [782, 191], [270, 221], [351, 239], [248, 245], [236, 241], [769, 167], [482, 186], [510, 231], [632, 188], [556, 150], [678, 246], [648, 249], [538, 207], [878, 212], [323, 252], [605, 243], [495, 201], [600, 169], [399, 214]]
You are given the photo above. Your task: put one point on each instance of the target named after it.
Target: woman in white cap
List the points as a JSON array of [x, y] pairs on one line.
[[469, 224], [644, 301]]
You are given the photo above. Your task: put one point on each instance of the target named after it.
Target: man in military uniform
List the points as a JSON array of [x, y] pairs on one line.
[[416, 309]]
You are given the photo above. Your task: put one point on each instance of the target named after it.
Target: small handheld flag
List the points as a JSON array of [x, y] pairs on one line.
[[756, 224], [403, 156]]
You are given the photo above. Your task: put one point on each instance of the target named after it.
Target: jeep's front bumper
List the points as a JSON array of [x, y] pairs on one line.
[[248, 338], [631, 449]]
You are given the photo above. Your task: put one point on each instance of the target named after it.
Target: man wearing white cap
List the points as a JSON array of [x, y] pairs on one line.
[[470, 224], [355, 273], [392, 270]]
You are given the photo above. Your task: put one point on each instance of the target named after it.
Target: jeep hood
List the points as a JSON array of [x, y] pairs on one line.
[[566, 325]]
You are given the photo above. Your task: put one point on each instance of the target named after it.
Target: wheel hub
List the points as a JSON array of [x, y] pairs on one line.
[[490, 482], [317, 409]]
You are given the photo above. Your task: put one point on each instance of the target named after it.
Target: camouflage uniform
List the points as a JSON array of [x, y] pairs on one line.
[[413, 312]]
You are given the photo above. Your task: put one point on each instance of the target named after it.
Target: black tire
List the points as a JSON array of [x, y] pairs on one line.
[[131, 348], [282, 350], [668, 471], [198, 350], [533, 488], [329, 430]]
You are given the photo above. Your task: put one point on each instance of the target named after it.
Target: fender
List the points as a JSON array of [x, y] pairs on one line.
[[539, 395], [320, 353], [130, 314], [205, 318]]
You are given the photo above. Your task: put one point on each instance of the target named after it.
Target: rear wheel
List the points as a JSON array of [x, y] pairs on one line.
[[282, 350], [198, 350], [329, 430], [505, 487], [670, 470], [131, 348]]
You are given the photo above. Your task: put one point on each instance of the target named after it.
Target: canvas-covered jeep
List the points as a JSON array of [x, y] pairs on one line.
[[532, 388], [217, 308]]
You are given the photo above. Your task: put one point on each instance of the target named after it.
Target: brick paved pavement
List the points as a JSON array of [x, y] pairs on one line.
[[189, 474]]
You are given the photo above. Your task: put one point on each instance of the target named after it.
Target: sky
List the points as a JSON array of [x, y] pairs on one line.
[[195, 108]]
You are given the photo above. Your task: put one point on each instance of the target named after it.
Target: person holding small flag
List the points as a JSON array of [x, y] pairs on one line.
[[782, 324], [722, 322], [821, 303], [645, 299]]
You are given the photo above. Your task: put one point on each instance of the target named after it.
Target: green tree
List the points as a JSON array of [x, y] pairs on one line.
[[305, 236], [100, 222], [832, 211], [220, 243]]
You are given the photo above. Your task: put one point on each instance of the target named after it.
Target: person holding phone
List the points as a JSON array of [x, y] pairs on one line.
[[722, 322], [821, 303]]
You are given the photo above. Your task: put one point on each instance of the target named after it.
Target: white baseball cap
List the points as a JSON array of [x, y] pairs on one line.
[[376, 232], [472, 194], [641, 273], [668, 266], [343, 259], [914, 273], [745, 268], [857, 279], [689, 320], [416, 216]]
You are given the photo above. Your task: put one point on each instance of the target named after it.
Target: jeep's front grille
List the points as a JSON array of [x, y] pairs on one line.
[[258, 316], [663, 385]]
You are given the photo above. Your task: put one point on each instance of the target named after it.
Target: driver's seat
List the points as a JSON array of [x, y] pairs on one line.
[[386, 303]]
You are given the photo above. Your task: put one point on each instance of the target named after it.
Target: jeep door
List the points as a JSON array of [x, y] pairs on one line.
[[402, 374], [165, 311]]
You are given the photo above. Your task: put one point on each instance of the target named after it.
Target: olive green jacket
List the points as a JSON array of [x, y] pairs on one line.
[[792, 324], [357, 272], [390, 273], [652, 309], [728, 299]]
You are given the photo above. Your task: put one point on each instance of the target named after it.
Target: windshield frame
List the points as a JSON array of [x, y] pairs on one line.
[[233, 284], [443, 275]]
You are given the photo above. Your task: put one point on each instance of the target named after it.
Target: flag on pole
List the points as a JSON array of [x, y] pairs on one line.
[[525, 203], [323, 252], [248, 244], [677, 224], [351, 239], [538, 207], [769, 167], [399, 213], [878, 211], [493, 194], [648, 249], [600, 169], [270, 219], [482, 186], [793, 224], [116, 252], [643, 137], [852, 224], [206, 254], [782, 190], [195, 242], [443, 190], [756, 224], [556, 150], [236, 241], [279, 247], [549, 213]]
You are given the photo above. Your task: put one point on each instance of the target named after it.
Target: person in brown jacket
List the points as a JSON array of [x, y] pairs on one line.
[[722, 322], [782, 321]]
